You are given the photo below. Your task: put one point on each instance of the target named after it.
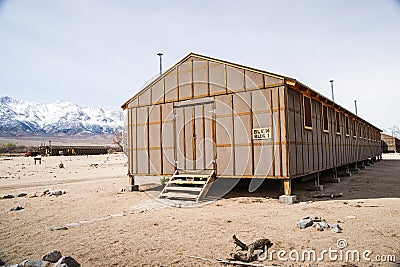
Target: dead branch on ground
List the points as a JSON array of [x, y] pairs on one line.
[[260, 244]]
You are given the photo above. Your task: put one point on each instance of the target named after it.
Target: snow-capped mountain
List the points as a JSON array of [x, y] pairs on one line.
[[20, 117]]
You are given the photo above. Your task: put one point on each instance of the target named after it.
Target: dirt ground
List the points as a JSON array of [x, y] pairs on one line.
[[106, 227]]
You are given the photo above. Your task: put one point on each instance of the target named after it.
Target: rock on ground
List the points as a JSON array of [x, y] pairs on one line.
[[305, 223], [52, 256], [38, 263], [67, 262], [56, 193], [58, 228], [16, 208]]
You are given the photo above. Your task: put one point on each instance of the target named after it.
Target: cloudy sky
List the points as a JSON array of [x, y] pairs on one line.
[[99, 53]]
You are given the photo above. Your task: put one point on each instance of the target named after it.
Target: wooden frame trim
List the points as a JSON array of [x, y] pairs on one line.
[[278, 96], [337, 122], [233, 134], [346, 125], [307, 127], [326, 108]]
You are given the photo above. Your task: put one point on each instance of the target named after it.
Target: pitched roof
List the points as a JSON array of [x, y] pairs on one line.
[[148, 85], [292, 82]]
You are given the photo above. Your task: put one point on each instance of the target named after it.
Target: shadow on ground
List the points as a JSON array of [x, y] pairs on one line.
[[380, 180]]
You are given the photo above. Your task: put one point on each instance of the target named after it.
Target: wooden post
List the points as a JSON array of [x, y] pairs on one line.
[[354, 168], [316, 180], [132, 186], [287, 197], [317, 185], [287, 187], [335, 178], [361, 165]]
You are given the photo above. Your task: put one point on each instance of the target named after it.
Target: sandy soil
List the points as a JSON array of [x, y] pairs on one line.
[[111, 228]]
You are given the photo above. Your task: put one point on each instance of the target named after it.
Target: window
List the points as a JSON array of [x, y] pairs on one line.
[[307, 112], [346, 122], [325, 118], [364, 132], [354, 129], [337, 122]]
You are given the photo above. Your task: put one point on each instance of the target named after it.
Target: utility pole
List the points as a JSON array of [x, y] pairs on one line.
[[355, 105], [333, 97], [160, 55]]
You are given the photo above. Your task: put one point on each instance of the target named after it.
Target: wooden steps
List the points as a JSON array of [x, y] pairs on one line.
[[184, 188], [188, 186], [174, 195], [188, 182], [204, 176]]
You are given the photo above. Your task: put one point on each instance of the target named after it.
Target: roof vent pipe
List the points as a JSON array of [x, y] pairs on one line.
[[333, 97], [355, 105], [160, 55]]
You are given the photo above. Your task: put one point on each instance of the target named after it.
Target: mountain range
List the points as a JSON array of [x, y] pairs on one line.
[[23, 118], [63, 118]]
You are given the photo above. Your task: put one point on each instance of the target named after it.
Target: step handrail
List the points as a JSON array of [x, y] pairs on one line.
[[206, 187], [168, 183]]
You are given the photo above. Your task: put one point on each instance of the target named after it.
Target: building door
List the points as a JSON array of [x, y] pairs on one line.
[[195, 146]]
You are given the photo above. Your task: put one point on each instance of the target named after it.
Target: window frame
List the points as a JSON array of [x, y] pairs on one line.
[[361, 128], [369, 133], [337, 122], [307, 127], [325, 120], [365, 133]]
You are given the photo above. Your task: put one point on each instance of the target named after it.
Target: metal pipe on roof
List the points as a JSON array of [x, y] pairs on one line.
[[355, 106], [333, 97], [160, 55]]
